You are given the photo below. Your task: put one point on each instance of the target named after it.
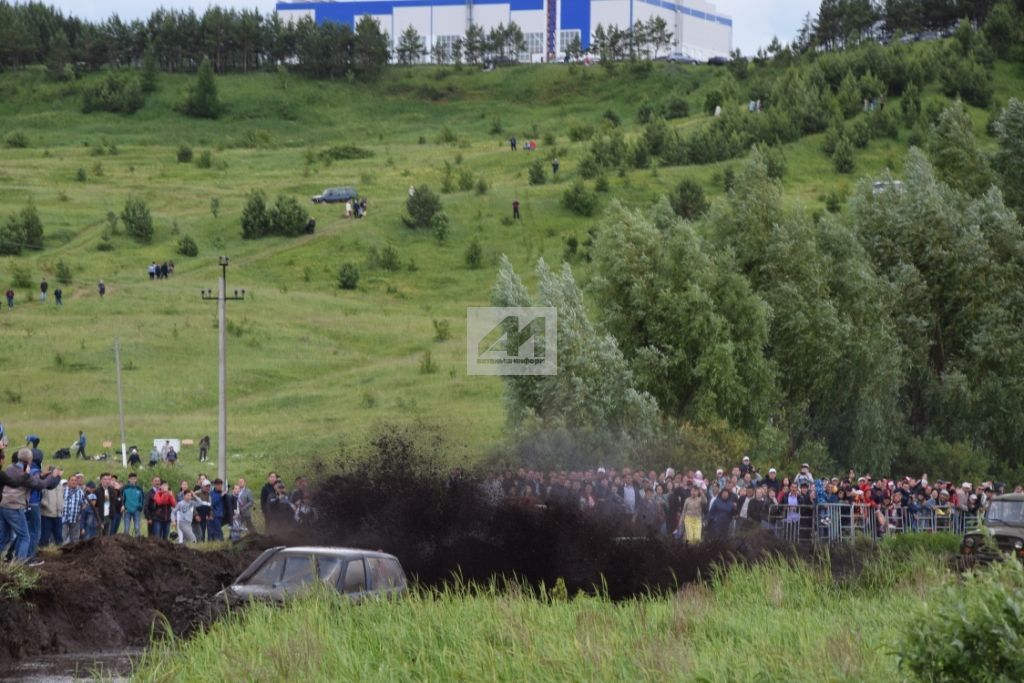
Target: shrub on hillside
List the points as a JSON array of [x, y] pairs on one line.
[[348, 276], [579, 199], [644, 112], [842, 158], [202, 100], [474, 254], [345, 152], [205, 159], [536, 173], [63, 273], [860, 133], [969, 80], [119, 92], [187, 246], [676, 107], [16, 140], [287, 217], [421, 206], [580, 131], [255, 218], [688, 200], [184, 154], [138, 222], [974, 625], [439, 226]]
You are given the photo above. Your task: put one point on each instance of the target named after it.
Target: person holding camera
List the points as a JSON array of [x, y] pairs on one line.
[[14, 502]]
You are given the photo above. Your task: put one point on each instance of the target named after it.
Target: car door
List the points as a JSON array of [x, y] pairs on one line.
[[353, 582]]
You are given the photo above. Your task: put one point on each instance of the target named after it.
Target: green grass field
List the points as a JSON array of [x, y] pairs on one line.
[[770, 622], [311, 367]]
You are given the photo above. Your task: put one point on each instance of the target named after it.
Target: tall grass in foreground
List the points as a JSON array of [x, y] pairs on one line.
[[775, 621]]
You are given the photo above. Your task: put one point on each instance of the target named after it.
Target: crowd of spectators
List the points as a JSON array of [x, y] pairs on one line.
[[690, 506], [41, 507]]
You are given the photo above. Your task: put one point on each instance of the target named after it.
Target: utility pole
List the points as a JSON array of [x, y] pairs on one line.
[[120, 400], [222, 417]]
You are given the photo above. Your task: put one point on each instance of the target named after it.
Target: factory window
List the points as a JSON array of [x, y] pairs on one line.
[[534, 44], [447, 45], [566, 38]]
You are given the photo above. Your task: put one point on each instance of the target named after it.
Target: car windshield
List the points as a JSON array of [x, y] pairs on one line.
[[290, 570], [1006, 511]]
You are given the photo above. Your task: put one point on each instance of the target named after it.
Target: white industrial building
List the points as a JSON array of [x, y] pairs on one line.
[[698, 29]]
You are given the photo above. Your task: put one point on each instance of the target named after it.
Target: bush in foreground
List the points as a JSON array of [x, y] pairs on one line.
[[976, 627]]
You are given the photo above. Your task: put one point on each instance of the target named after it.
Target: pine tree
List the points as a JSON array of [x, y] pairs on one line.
[[955, 154], [149, 71], [1009, 160], [410, 46], [202, 99]]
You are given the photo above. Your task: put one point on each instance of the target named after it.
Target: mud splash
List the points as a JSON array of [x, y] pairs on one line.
[[398, 500]]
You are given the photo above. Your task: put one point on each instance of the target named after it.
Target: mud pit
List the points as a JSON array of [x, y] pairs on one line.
[[108, 593]]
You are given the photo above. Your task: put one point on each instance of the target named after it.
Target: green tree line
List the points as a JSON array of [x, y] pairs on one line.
[[179, 40], [883, 338]]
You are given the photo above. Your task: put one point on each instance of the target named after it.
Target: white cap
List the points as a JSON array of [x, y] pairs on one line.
[[601, 470], [771, 470], [746, 458], [966, 485]]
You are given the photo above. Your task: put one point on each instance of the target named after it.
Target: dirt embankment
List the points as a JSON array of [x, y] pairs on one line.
[[109, 592]]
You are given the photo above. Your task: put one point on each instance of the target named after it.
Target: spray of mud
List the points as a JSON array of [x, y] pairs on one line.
[[395, 499]]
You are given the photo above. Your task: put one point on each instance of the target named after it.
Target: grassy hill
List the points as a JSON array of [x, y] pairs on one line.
[[310, 366]]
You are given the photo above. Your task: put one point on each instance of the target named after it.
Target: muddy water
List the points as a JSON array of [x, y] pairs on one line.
[[106, 666]]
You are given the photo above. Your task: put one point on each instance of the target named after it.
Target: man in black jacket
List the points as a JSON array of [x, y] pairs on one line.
[[266, 493], [148, 506]]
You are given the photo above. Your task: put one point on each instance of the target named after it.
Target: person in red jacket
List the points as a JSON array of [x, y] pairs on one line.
[[163, 503]]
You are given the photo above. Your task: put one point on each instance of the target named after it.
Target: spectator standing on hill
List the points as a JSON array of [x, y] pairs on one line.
[[163, 505], [244, 503], [512, 143], [134, 459], [805, 476], [691, 520], [515, 210], [102, 288], [15, 502], [203, 515], [152, 270], [33, 514], [116, 504], [80, 446], [132, 500], [149, 505], [266, 492], [43, 287], [720, 515], [204, 448], [554, 166], [58, 296], [51, 507], [184, 512], [280, 511], [10, 298], [71, 515], [90, 524], [216, 525]]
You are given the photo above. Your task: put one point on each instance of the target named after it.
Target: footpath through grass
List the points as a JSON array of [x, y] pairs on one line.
[[776, 621]]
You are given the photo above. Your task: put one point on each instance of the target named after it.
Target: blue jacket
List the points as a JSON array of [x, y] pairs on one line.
[[217, 503]]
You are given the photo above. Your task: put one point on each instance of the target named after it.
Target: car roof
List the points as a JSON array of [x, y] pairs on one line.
[[337, 551]]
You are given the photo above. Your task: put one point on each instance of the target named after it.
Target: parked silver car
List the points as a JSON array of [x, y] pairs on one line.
[[280, 572]]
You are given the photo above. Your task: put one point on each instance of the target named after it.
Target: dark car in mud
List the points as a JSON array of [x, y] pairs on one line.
[[1002, 531], [281, 572]]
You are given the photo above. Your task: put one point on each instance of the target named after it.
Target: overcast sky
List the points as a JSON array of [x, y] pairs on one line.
[[754, 21]]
